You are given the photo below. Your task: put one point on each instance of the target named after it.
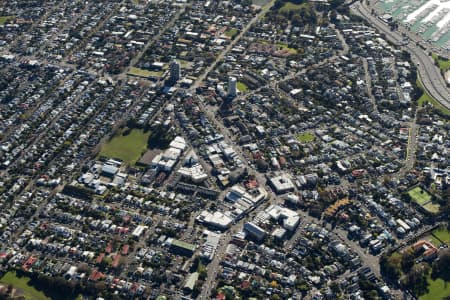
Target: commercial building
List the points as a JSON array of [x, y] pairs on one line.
[[180, 247], [281, 184], [210, 246], [175, 71], [254, 231], [290, 218], [232, 87], [217, 219], [167, 160]]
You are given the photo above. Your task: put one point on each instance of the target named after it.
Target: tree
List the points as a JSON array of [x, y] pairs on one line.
[[262, 165], [296, 20], [441, 267], [390, 266], [416, 279], [407, 260], [336, 3], [84, 268]]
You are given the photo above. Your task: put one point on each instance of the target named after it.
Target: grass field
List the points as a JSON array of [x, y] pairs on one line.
[[289, 6], [144, 73], [260, 2], [3, 19], [442, 234], [184, 63], [21, 284], [432, 207], [231, 33], [438, 289], [432, 239], [426, 98], [443, 64], [305, 137], [242, 87], [283, 46], [419, 196], [126, 147], [423, 198]]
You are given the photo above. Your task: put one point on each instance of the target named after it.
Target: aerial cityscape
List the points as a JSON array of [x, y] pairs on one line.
[[239, 149]]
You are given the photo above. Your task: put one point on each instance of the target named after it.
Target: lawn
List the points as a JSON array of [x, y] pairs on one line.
[[283, 46], [444, 64], [184, 63], [432, 207], [305, 137], [419, 196], [438, 289], [231, 33], [432, 239], [442, 234], [29, 292], [260, 2], [289, 6], [242, 87], [128, 148], [4, 19], [426, 98], [144, 73]]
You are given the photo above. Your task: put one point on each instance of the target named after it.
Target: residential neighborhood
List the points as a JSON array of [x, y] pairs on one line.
[[203, 149]]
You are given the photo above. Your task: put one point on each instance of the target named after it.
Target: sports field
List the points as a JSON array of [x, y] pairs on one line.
[[127, 148], [423, 198], [419, 196], [442, 234], [432, 207]]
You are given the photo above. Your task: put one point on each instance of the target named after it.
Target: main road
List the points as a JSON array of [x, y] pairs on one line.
[[429, 74]]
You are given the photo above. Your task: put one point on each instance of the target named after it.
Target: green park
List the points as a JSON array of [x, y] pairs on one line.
[[126, 145], [22, 287]]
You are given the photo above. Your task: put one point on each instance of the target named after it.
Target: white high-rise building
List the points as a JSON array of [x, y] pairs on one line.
[[175, 71], [232, 87]]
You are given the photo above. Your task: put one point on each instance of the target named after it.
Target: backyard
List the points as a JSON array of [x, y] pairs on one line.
[[231, 33], [242, 87], [283, 46], [305, 137], [4, 19]]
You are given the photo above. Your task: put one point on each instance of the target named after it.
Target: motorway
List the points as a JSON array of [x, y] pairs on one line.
[[429, 74]]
